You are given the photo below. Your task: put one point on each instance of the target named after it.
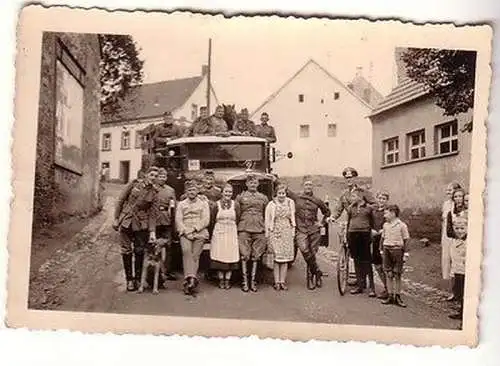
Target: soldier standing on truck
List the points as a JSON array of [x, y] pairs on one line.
[[264, 130], [201, 126], [217, 123], [166, 131], [243, 125], [251, 230]]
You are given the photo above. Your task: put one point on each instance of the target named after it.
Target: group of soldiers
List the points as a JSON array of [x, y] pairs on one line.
[[147, 210], [214, 125]]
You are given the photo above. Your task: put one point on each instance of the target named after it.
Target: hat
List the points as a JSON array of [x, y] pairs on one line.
[[167, 113], [251, 177], [190, 184], [162, 171], [209, 173], [349, 171]]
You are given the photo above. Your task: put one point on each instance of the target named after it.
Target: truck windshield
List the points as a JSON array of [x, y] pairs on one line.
[[225, 152], [212, 155]]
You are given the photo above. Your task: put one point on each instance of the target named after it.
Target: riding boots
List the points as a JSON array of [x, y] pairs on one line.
[[127, 267], [244, 273], [253, 282], [139, 259]]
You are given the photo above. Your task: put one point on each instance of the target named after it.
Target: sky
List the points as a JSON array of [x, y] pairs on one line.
[[253, 57]]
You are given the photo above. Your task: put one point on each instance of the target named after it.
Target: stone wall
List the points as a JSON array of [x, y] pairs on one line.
[[60, 192]]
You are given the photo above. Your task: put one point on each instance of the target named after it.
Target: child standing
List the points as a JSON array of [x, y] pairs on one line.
[[395, 238], [458, 252], [378, 223]]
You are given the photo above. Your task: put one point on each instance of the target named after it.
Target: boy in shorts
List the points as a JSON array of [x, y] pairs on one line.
[[394, 240]]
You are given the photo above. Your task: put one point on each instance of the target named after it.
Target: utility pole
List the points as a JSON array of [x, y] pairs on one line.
[[209, 72]]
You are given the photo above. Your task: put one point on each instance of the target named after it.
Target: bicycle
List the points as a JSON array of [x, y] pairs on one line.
[[343, 261]]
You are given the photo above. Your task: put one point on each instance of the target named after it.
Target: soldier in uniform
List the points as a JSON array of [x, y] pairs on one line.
[[308, 229], [217, 123], [243, 125], [345, 203], [201, 126], [251, 230], [166, 131], [132, 221], [265, 130], [162, 217]]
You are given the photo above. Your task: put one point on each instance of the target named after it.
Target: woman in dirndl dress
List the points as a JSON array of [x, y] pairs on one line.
[[280, 230], [224, 249]]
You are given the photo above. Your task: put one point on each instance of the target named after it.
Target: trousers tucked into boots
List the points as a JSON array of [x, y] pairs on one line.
[[139, 259], [127, 266], [244, 273], [253, 282]]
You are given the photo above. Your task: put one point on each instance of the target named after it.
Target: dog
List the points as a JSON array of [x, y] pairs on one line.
[[154, 259]]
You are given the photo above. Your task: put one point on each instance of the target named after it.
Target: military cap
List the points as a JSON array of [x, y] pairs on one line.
[[349, 171], [251, 177], [190, 184]]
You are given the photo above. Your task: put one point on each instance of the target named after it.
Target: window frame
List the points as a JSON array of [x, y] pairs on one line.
[[453, 125], [420, 147], [103, 147], [122, 147], [307, 128], [328, 130], [67, 62], [302, 98], [394, 152]]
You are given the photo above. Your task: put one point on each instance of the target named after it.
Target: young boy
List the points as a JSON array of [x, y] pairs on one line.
[[378, 223], [458, 251], [394, 240]]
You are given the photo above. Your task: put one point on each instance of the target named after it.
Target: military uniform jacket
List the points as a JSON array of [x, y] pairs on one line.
[[347, 198], [243, 126], [134, 206], [163, 205], [252, 208], [306, 211], [265, 131], [199, 127], [167, 131], [217, 125], [213, 193]]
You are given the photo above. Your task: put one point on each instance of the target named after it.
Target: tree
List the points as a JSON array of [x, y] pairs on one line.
[[121, 69], [449, 75]]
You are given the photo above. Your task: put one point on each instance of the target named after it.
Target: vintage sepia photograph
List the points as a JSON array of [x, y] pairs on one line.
[[194, 174]]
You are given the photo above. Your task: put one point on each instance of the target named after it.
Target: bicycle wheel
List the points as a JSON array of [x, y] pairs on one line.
[[342, 270]]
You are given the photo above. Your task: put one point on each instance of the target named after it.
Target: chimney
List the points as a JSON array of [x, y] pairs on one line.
[[204, 70], [400, 64]]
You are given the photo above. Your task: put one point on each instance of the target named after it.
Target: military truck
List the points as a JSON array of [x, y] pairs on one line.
[[230, 157]]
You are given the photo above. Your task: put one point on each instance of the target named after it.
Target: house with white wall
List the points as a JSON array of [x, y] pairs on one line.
[[322, 122], [121, 141]]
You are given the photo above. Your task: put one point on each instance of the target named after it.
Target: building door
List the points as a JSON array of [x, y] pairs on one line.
[[125, 171], [105, 171]]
